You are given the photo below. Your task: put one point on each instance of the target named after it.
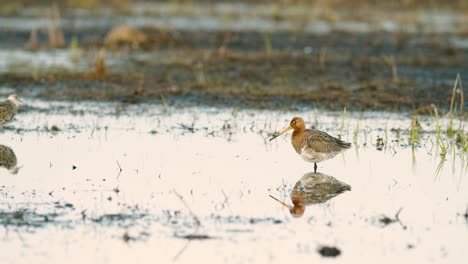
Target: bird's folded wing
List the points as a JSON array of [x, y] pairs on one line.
[[322, 142]]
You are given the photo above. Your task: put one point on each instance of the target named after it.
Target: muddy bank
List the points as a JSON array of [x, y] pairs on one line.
[[325, 71], [237, 55]]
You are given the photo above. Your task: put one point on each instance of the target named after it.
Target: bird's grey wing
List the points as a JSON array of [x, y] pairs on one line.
[[324, 143], [333, 188], [7, 111], [4, 107], [7, 157], [3, 155]]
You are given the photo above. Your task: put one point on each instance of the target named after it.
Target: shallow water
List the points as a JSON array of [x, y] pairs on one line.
[[105, 188]]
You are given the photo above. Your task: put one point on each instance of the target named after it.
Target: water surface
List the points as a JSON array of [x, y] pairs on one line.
[[105, 188]]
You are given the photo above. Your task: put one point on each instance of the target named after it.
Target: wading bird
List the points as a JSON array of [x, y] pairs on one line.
[[8, 108], [8, 159], [311, 144]]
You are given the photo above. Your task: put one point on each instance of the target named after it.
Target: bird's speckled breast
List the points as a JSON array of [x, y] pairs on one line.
[[310, 155], [7, 111]]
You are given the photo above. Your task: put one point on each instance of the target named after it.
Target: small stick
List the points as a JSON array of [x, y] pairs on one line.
[[226, 200], [181, 251], [120, 169], [397, 217], [197, 220]]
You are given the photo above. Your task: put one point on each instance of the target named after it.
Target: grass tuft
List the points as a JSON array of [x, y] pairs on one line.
[[439, 140], [74, 50], [343, 118], [268, 45], [415, 129], [356, 132]]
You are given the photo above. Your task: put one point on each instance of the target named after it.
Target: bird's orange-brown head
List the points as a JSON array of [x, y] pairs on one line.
[[297, 124], [297, 210]]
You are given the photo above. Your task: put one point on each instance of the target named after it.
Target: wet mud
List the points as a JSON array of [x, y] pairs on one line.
[[392, 70]]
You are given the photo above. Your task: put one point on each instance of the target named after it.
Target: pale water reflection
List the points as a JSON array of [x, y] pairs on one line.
[[102, 188], [8, 159], [313, 188]]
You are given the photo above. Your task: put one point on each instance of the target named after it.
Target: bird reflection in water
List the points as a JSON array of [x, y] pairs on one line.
[[8, 159], [313, 188]]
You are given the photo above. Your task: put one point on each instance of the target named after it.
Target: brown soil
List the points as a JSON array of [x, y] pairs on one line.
[[360, 71]]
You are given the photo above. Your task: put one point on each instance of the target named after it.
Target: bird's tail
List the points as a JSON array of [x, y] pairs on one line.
[[343, 189], [343, 144]]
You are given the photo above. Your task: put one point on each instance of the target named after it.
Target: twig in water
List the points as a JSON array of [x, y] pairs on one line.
[[20, 236], [225, 202], [385, 220], [197, 220], [182, 250], [397, 217], [120, 169]]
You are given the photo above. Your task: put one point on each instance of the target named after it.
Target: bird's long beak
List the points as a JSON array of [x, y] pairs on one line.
[[283, 203], [21, 101], [282, 132]]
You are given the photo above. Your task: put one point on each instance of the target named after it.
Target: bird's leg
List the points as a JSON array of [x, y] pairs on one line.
[[315, 167]]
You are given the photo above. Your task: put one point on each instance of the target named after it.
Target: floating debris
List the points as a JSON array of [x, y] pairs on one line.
[[55, 128], [326, 251], [115, 218], [195, 237], [385, 220], [126, 237], [379, 145], [26, 218]]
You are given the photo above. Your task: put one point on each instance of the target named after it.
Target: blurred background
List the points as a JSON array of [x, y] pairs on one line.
[[361, 54]]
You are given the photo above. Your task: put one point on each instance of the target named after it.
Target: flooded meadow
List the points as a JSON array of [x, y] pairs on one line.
[[180, 184], [154, 144]]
